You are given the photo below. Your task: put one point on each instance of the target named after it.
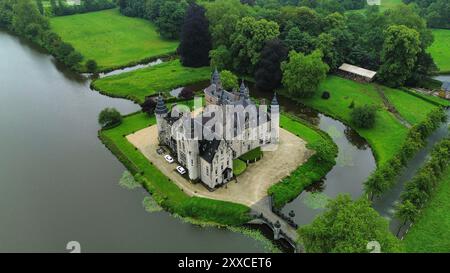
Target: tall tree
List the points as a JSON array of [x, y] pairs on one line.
[[303, 74], [171, 18], [195, 38], [268, 74], [347, 226], [248, 41], [399, 54]]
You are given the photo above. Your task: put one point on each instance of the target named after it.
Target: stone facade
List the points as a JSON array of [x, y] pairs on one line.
[[210, 159]]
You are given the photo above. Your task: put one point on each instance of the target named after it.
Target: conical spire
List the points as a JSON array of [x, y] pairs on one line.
[[242, 88], [215, 79], [274, 100], [161, 107]]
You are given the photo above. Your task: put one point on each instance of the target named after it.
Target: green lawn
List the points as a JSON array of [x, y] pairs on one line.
[[138, 84], [410, 107], [111, 39], [388, 133], [388, 4], [440, 49], [431, 232], [164, 191]]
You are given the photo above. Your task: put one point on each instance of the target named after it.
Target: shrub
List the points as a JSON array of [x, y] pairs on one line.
[[252, 155], [239, 167], [149, 106], [187, 93], [325, 95], [91, 66], [363, 116], [109, 117]]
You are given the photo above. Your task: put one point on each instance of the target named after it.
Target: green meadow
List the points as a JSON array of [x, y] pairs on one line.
[[440, 49], [388, 133], [138, 84], [111, 39], [431, 232]]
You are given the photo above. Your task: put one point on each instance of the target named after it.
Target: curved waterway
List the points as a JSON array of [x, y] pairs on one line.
[[355, 162], [58, 183]]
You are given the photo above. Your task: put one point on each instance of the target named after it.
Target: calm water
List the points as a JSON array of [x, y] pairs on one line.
[[58, 183], [355, 162]]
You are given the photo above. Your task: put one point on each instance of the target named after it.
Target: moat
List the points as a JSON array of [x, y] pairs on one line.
[[60, 184]]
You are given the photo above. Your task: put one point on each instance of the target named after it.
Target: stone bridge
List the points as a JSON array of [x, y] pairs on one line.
[[262, 211]]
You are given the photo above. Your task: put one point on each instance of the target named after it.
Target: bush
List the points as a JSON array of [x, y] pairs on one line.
[[325, 95], [91, 66], [239, 167], [149, 106], [252, 155], [363, 116], [187, 93], [109, 117]]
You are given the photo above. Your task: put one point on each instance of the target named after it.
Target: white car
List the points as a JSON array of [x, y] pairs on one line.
[[168, 158], [181, 170]]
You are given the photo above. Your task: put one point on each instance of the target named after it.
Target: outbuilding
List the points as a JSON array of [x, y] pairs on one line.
[[356, 73]]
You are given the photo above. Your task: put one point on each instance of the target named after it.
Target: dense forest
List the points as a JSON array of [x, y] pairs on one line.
[[392, 42]]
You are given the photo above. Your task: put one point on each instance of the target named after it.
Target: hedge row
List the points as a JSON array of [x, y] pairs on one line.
[[385, 176], [420, 188]]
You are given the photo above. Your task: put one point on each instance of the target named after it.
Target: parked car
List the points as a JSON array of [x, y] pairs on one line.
[[168, 158], [181, 170]]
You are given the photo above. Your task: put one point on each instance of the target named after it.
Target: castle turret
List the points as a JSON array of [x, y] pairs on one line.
[[274, 120], [215, 79], [242, 90], [161, 113]]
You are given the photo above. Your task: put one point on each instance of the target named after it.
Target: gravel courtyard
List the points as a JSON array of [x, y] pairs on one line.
[[251, 186]]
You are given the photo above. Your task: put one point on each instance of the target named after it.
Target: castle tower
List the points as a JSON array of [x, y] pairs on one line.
[[274, 120], [242, 90], [161, 113], [215, 79]]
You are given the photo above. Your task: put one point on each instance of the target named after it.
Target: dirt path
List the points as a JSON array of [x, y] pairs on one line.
[[391, 108]]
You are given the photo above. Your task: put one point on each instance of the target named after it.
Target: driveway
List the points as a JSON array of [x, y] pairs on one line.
[[251, 186]]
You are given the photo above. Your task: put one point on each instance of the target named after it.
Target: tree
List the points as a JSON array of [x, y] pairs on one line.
[[300, 41], [223, 16], [109, 117], [228, 79], [363, 116], [149, 106], [268, 73], [195, 38], [400, 49], [171, 18], [302, 74], [248, 41], [40, 6], [306, 19], [406, 211], [91, 66], [347, 226]]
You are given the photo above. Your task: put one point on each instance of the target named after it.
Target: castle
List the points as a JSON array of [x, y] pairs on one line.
[[208, 156]]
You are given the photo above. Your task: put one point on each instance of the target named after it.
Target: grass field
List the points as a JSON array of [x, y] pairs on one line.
[[388, 4], [111, 39], [431, 233], [164, 191], [138, 84], [388, 134], [440, 49]]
